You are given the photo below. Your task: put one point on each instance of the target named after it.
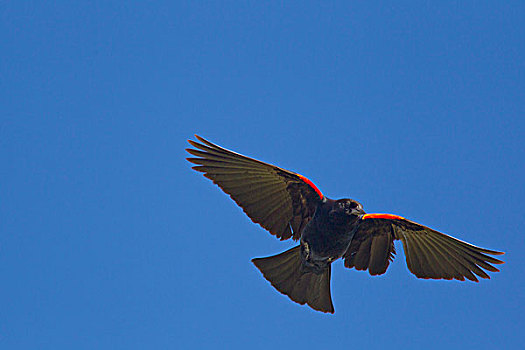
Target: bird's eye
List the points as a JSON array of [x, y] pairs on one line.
[[353, 205]]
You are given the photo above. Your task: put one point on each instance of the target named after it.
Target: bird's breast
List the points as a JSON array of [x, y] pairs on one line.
[[325, 240]]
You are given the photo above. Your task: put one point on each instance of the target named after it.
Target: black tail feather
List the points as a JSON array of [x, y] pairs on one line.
[[290, 276]]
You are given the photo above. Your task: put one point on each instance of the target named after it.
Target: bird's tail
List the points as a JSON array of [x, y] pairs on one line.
[[287, 273]]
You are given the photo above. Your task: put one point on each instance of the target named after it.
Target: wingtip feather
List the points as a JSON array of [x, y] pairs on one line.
[[193, 143]]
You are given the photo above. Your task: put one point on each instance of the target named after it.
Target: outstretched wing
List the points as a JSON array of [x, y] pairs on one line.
[[279, 200], [429, 253]]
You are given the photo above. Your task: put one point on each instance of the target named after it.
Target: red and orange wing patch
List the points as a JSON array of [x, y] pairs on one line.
[[311, 184], [382, 216]]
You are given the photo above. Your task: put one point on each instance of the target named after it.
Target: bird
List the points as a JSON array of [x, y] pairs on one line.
[[289, 205]]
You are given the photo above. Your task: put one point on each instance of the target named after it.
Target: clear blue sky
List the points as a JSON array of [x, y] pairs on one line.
[[109, 241]]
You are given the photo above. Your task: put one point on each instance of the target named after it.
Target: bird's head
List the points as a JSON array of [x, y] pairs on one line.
[[346, 208]]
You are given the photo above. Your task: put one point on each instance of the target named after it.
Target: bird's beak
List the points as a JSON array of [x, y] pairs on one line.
[[360, 212]]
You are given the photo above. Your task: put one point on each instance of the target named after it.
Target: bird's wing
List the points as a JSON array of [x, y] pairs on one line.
[[429, 253], [279, 200]]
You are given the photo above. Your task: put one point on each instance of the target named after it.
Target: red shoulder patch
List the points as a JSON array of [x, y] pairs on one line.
[[382, 216], [311, 184]]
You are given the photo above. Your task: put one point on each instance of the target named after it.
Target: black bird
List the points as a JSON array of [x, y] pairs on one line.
[[289, 205]]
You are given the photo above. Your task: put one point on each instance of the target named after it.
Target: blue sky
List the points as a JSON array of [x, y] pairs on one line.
[[109, 240]]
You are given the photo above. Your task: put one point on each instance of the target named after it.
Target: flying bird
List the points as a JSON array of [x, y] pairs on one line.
[[289, 205]]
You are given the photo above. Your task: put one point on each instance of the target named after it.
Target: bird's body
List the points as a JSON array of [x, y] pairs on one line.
[[328, 235], [289, 205]]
